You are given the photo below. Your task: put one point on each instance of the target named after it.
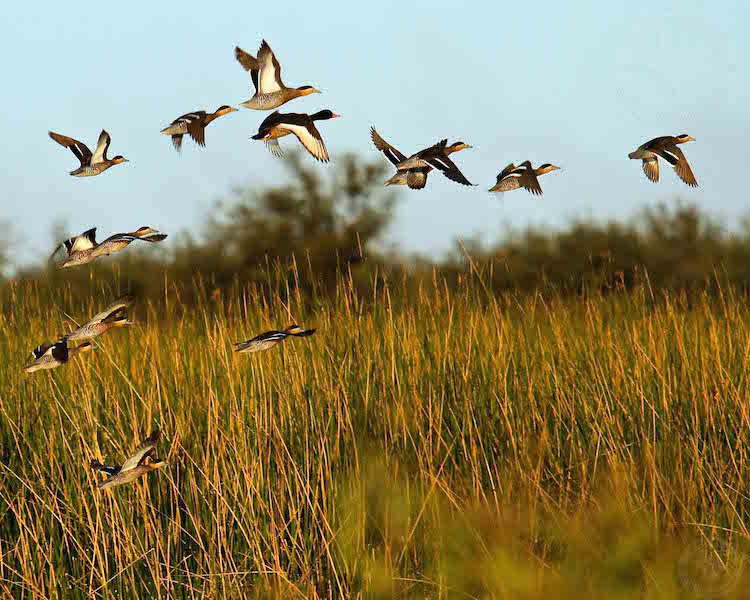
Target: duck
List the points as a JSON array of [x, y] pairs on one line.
[[115, 315], [436, 157], [84, 248], [415, 179], [665, 147], [269, 339], [194, 124], [277, 125], [138, 464], [91, 164], [51, 355], [265, 71], [524, 175]]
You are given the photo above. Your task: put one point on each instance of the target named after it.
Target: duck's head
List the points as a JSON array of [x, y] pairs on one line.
[[155, 463], [145, 230], [457, 147], [224, 110], [323, 115], [306, 90], [119, 159], [546, 168], [684, 137]]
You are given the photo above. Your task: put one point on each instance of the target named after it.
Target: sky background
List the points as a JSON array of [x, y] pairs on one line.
[[579, 84]]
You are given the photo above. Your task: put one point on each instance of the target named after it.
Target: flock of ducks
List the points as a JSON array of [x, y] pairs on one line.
[[270, 93]]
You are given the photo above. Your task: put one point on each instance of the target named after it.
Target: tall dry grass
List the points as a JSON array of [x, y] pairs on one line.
[[452, 445]]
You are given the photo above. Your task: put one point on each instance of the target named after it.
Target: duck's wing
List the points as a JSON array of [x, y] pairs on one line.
[[108, 470], [79, 243], [529, 180], [417, 178], [275, 148], [446, 166], [81, 150], [100, 154], [651, 168], [249, 63], [505, 172], [117, 305], [269, 77], [310, 138], [41, 350], [146, 448], [676, 157], [196, 127], [390, 152]]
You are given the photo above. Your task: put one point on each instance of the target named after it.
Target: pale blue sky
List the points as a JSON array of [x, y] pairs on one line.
[[579, 84]]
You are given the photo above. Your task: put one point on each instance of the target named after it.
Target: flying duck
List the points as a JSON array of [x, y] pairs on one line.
[[265, 71], [91, 164], [666, 148], [415, 178], [513, 177], [436, 157], [278, 125], [194, 124], [269, 339], [84, 248], [115, 315], [51, 355], [141, 462]]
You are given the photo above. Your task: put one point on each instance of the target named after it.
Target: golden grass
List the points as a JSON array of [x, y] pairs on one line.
[[452, 445]]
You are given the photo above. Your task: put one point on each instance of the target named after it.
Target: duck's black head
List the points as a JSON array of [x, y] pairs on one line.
[[323, 115]]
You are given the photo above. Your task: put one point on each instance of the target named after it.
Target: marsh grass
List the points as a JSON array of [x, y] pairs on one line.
[[442, 444]]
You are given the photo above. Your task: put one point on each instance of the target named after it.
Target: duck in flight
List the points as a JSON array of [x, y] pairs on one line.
[[91, 164], [115, 315], [524, 175], [265, 71], [84, 248], [194, 124], [141, 462], [436, 157], [51, 355], [277, 125], [665, 147], [415, 178], [269, 339]]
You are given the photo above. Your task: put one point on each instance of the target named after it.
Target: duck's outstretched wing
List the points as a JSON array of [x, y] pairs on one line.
[[81, 150], [249, 63], [651, 168], [117, 305], [391, 153], [676, 157], [269, 77], [147, 447], [447, 167], [102, 145]]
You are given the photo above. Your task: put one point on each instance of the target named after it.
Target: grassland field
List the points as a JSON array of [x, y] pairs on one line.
[[446, 443]]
